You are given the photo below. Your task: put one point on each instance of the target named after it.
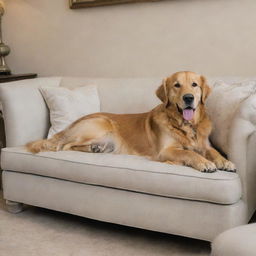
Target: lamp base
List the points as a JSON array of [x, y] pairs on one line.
[[4, 51], [4, 69], [5, 73]]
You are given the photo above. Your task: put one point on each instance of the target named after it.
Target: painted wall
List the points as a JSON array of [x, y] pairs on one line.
[[212, 37]]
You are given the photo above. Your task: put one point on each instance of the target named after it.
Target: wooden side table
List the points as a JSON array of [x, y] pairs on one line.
[[3, 79], [10, 78]]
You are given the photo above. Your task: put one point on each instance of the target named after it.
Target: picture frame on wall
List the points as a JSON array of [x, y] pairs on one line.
[[75, 4]]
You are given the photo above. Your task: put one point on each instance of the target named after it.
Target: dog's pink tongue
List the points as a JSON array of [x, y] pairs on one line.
[[188, 114]]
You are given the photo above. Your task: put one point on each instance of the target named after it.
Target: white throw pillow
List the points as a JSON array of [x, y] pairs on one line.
[[66, 106], [222, 105]]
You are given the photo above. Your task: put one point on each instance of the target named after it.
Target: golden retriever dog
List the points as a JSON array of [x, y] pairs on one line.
[[175, 132]]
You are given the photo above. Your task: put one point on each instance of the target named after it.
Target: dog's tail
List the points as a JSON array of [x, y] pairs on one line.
[[42, 145]]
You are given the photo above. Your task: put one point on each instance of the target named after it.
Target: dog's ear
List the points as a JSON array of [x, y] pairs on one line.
[[162, 93], [206, 90]]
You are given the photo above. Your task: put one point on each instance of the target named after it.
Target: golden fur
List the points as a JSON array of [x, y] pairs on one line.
[[161, 134]]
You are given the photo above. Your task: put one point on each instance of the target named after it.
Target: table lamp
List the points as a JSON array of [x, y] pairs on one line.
[[4, 49]]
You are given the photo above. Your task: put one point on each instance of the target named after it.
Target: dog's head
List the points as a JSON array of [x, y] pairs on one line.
[[185, 91]]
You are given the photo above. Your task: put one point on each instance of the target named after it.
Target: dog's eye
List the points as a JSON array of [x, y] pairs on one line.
[[177, 85], [194, 84]]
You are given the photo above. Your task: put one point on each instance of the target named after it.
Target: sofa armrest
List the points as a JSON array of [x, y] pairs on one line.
[[242, 148], [25, 113]]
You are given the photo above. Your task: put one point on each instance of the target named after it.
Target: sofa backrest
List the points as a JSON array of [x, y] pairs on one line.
[[27, 117], [131, 95]]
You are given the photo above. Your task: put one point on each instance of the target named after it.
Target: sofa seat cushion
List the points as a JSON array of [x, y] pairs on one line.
[[126, 172]]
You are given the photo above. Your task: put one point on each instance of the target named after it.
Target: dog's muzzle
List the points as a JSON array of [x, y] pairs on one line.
[[188, 99]]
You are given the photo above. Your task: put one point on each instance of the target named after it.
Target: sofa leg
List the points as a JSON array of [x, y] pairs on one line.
[[14, 207]]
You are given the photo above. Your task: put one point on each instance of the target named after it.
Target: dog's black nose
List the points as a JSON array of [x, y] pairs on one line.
[[188, 98]]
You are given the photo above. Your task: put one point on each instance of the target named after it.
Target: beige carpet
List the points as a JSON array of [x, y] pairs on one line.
[[40, 232]]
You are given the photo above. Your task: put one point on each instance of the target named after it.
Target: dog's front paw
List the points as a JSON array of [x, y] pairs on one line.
[[225, 165], [206, 166]]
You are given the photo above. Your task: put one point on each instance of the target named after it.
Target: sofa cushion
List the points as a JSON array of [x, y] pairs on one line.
[[66, 106], [127, 172]]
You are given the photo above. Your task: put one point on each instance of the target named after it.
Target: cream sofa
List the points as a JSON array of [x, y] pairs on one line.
[[123, 189]]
